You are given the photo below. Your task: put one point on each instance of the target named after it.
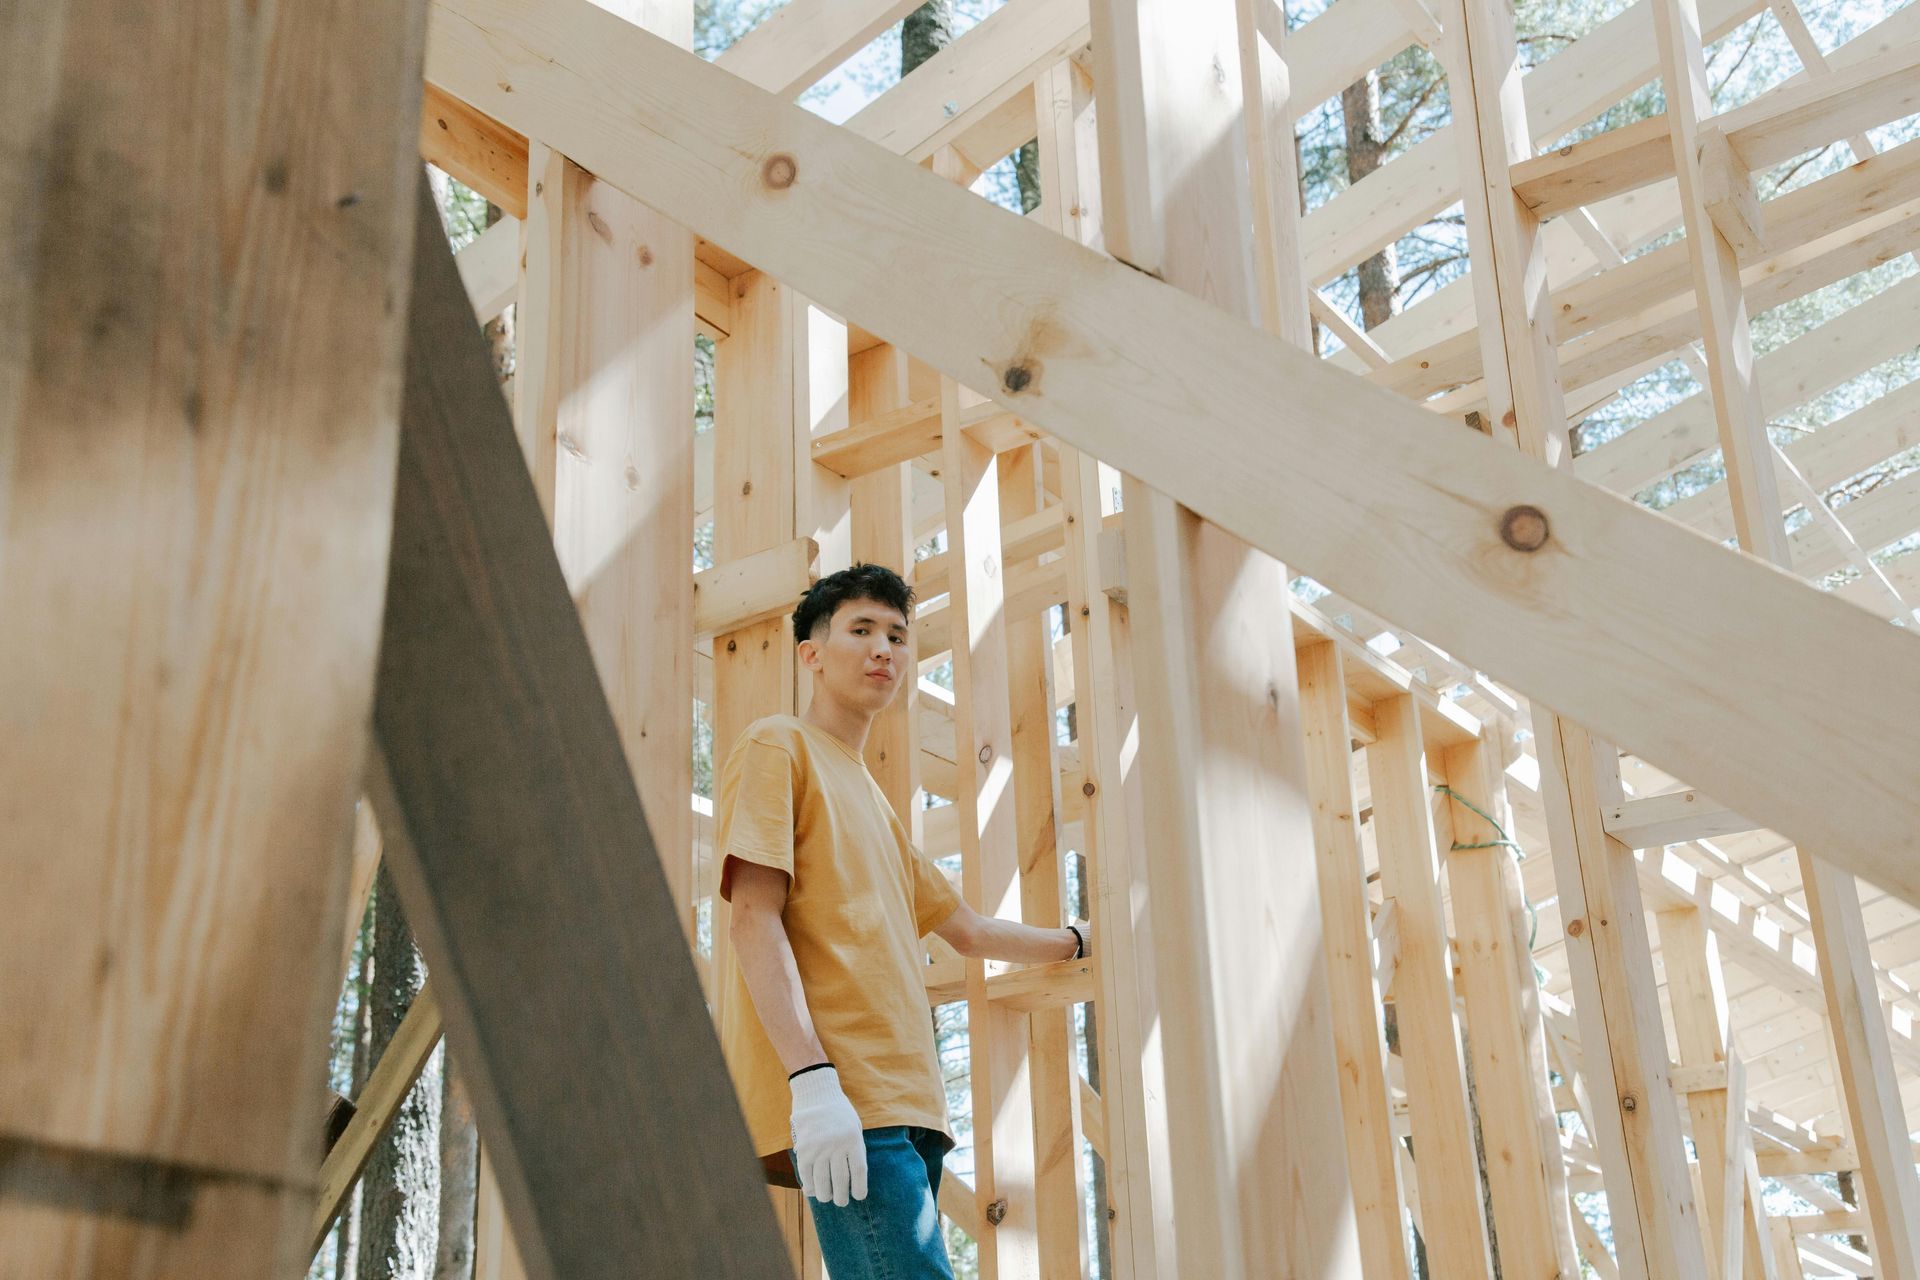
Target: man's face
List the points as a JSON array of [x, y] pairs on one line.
[[862, 660]]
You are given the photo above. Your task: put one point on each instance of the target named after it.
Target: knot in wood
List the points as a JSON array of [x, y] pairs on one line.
[[1629, 1103], [997, 1212], [1524, 528], [1017, 378], [986, 754], [1086, 788], [779, 171], [1576, 927]]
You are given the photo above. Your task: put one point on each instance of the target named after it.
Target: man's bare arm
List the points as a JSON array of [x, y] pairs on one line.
[[766, 963], [990, 938]]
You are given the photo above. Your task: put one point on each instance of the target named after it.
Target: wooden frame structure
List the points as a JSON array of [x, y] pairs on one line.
[[1544, 889]]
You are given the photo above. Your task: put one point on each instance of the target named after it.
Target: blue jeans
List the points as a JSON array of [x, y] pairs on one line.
[[894, 1234]]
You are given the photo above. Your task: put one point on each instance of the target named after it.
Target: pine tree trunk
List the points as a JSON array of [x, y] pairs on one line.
[[926, 31], [1026, 171], [459, 1179], [398, 1195], [1366, 151]]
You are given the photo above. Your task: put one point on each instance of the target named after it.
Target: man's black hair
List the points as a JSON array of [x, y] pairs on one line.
[[873, 582]]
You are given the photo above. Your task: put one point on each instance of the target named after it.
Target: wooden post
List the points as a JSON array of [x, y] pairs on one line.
[[882, 533], [1874, 1104], [1256, 1160], [198, 428], [1358, 1037], [1751, 485], [1864, 1064], [618, 378], [1036, 796], [1698, 1000], [1638, 1136], [755, 484], [1130, 1063], [1430, 1049], [989, 841], [1525, 1172]]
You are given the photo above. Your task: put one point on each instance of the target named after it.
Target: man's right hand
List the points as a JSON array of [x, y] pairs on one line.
[[829, 1146]]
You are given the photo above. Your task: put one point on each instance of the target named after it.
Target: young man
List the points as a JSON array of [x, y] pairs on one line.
[[825, 1021]]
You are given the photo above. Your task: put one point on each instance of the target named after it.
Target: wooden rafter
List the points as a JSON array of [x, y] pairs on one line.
[[1693, 615]]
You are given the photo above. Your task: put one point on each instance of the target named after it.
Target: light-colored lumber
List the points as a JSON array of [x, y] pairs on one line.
[[490, 269], [1635, 1128], [1642, 1164], [1696, 997], [622, 413], [993, 63], [1430, 1042], [365, 865], [792, 47], [1732, 380], [1256, 1160], [388, 1084], [1351, 984], [1131, 1064], [1818, 360], [998, 1051], [495, 1256], [1685, 703], [1820, 109], [1526, 1183], [882, 504], [198, 420], [1583, 173], [1864, 1064], [1648, 822], [483, 154], [553, 183], [758, 586], [1035, 782], [1573, 86], [1655, 287]]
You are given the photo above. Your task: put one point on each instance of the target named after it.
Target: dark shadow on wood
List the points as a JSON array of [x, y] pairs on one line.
[[525, 861]]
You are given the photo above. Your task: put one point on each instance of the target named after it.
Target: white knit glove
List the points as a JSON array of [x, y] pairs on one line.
[[1086, 937], [828, 1145]]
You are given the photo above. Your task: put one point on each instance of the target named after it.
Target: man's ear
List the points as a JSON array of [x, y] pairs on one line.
[[809, 654]]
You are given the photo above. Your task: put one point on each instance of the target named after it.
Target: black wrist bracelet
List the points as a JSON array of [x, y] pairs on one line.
[[818, 1066], [1079, 942]]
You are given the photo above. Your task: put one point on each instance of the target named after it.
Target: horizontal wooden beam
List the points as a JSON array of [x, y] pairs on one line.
[[766, 584], [788, 52], [471, 146], [1035, 986], [1510, 565], [1648, 822], [1794, 118], [966, 81], [1582, 173]]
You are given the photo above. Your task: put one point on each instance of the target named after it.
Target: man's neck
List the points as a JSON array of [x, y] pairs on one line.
[[848, 724]]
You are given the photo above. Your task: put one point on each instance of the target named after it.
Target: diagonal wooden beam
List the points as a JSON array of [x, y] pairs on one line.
[[1640, 629], [525, 862]]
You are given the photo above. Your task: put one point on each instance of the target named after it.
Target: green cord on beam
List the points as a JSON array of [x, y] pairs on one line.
[[1519, 855]]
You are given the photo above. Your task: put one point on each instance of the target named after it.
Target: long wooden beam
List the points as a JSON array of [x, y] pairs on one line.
[[198, 427], [527, 865], [1508, 564]]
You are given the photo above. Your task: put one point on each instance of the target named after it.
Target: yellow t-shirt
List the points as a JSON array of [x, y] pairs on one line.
[[796, 798]]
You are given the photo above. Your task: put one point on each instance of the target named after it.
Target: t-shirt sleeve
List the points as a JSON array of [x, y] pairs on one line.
[[754, 819], [934, 897]]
